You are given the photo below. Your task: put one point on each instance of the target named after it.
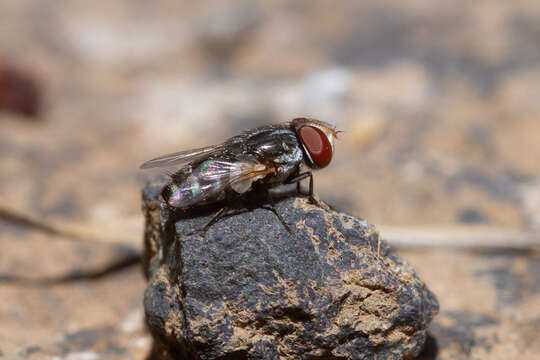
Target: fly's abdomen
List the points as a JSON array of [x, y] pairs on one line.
[[209, 180], [184, 194], [195, 188]]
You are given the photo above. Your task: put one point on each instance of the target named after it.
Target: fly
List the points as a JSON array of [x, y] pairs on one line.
[[270, 155]]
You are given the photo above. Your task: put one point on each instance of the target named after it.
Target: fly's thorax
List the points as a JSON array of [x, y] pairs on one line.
[[280, 148], [287, 164]]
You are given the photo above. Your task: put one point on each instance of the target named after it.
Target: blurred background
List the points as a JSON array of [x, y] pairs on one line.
[[438, 101]]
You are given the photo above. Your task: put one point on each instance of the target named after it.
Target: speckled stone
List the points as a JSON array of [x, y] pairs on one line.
[[250, 290]]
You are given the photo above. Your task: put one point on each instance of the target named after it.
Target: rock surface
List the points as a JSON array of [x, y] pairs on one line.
[[250, 290]]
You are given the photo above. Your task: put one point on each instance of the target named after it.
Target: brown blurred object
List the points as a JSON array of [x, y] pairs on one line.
[[20, 91], [367, 129]]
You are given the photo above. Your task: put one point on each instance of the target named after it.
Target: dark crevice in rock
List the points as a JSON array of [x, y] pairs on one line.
[[296, 315], [326, 355], [341, 300], [376, 287], [236, 355]]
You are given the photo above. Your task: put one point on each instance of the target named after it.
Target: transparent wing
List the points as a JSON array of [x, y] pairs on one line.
[[180, 157], [213, 177], [231, 172]]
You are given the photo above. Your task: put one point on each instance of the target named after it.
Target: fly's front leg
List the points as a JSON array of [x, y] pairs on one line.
[[301, 177]]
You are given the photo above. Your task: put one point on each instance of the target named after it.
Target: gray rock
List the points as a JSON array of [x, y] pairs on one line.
[[250, 290]]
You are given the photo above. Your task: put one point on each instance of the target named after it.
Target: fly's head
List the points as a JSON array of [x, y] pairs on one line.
[[317, 140]]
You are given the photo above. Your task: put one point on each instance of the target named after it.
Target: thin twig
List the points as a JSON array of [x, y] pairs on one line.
[[116, 265], [126, 232], [471, 238]]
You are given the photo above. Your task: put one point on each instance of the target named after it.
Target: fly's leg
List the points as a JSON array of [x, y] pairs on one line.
[[214, 220], [217, 217], [272, 208], [301, 177]]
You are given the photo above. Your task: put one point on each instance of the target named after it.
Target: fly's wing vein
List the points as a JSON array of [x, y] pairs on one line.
[[181, 157], [214, 176], [234, 171]]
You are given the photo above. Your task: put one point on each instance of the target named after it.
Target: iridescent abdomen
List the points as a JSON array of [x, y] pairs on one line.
[[210, 180]]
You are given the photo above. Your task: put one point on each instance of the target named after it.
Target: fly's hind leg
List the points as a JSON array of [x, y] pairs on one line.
[[272, 208], [214, 220], [219, 215]]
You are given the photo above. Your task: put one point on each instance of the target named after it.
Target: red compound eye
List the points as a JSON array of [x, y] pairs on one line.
[[316, 144]]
